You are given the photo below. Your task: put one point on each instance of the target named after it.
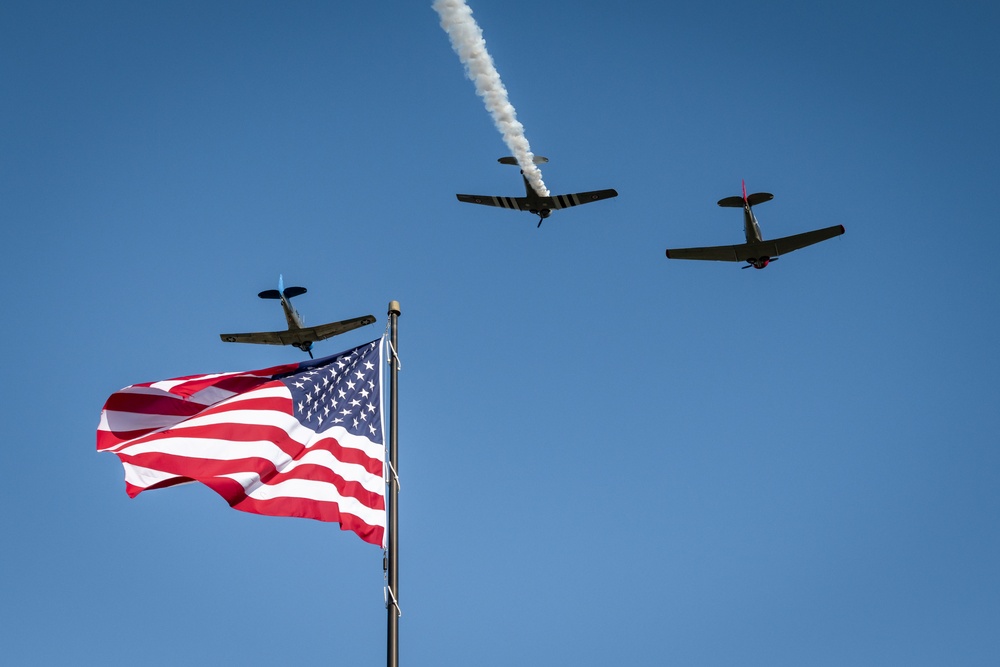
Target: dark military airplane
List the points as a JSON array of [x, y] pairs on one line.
[[534, 202], [297, 334], [757, 252]]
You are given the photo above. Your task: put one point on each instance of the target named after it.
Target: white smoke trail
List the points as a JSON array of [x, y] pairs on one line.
[[467, 40]]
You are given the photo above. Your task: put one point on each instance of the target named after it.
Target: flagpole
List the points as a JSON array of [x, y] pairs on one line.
[[392, 562]]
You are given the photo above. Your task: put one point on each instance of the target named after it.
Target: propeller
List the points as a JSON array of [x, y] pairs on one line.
[[751, 263]]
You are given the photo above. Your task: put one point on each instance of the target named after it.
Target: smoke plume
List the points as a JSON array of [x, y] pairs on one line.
[[467, 40]]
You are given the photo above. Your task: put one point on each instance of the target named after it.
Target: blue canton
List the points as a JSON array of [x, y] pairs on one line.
[[341, 390]]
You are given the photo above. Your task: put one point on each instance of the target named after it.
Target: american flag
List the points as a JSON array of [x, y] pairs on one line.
[[300, 440]]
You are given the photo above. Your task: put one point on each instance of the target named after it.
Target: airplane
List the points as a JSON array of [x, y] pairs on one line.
[[534, 202], [757, 252], [297, 333]]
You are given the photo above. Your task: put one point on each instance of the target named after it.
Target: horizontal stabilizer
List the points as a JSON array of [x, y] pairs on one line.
[[538, 159], [294, 291], [270, 294], [753, 200]]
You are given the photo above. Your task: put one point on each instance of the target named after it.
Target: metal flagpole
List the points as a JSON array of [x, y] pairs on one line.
[[392, 561]]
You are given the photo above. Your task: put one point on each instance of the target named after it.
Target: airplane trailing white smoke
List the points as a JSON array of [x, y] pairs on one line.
[[467, 40]]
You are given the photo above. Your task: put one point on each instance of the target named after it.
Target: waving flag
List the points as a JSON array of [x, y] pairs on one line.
[[300, 440]]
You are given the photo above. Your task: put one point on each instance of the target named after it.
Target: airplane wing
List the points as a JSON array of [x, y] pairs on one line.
[[490, 200], [298, 336], [745, 251], [787, 244], [719, 253], [557, 202], [324, 331], [552, 203], [263, 337]]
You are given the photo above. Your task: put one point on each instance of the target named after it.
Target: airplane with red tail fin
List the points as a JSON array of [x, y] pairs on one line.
[[757, 252]]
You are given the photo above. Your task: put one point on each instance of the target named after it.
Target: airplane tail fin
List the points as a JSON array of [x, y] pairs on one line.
[[289, 292]]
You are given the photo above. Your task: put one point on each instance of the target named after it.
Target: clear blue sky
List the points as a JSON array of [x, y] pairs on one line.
[[606, 457]]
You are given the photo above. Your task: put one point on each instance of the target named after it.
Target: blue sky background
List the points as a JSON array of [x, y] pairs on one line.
[[606, 457]]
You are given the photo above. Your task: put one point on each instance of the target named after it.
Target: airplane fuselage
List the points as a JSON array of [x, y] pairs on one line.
[[752, 231], [536, 204], [750, 227], [294, 322], [291, 315]]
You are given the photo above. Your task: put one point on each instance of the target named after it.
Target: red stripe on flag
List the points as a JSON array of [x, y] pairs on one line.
[[311, 509], [153, 404]]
